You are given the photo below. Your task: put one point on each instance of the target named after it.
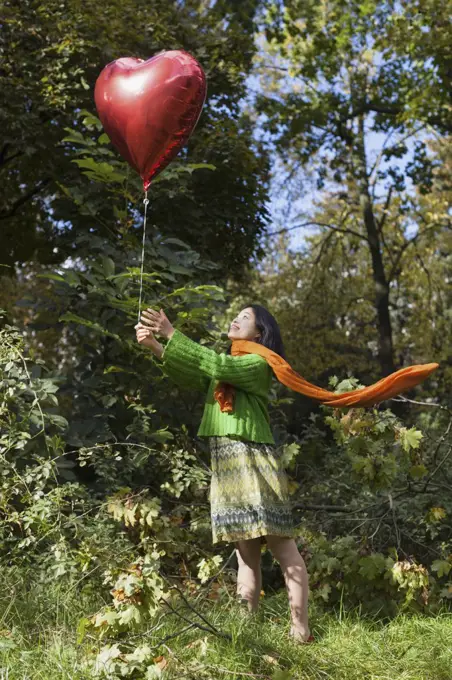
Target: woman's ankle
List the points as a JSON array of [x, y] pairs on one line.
[[251, 607]]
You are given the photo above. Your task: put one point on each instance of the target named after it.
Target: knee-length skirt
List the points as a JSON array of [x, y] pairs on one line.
[[249, 494]]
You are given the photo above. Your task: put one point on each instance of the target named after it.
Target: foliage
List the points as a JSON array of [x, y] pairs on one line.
[[52, 54], [376, 491]]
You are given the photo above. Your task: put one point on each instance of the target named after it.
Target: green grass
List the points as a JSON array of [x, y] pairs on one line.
[[38, 642]]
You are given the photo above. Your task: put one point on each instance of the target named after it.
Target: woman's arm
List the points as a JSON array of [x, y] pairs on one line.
[[183, 378], [194, 360], [245, 372], [157, 349]]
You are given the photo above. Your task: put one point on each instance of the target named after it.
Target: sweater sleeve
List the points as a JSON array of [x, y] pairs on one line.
[[190, 359], [181, 374]]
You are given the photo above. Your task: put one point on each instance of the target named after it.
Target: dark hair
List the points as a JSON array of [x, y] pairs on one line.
[[270, 335]]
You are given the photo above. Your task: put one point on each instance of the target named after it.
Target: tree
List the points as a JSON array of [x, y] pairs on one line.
[[332, 74]]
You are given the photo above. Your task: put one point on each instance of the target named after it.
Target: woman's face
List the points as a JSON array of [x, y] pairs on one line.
[[243, 326]]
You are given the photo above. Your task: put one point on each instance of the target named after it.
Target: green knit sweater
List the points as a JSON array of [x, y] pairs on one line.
[[194, 366]]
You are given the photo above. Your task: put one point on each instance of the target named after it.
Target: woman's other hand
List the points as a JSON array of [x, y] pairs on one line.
[[145, 336], [157, 322]]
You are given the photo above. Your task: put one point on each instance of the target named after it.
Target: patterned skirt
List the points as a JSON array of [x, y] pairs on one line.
[[249, 491]]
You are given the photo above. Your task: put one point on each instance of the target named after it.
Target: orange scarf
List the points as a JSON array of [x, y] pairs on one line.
[[384, 389]]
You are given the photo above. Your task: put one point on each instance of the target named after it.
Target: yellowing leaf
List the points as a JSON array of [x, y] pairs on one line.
[[292, 486], [436, 514], [270, 659], [161, 662]]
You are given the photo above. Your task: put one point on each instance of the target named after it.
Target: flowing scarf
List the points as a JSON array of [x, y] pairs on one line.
[[388, 387]]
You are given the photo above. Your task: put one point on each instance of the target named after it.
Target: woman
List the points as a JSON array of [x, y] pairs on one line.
[[249, 493]]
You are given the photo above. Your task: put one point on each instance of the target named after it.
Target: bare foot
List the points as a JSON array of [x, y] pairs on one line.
[[302, 636]]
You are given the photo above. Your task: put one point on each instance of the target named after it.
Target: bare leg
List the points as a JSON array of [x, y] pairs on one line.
[[249, 577], [295, 574]]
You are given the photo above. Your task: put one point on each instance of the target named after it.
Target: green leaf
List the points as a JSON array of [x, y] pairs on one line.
[[129, 614], [161, 436], [418, 471], [202, 166], [140, 654], [105, 660], [51, 277], [101, 172], [372, 565], [108, 266], [82, 624], [324, 591], [410, 439], [179, 269], [7, 643], [72, 278], [442, 567], [90, 121], [290, 451], [57, 420], [69, 316], [108, 618], [282, 674], [77, 138], [153, 672], [177, 242], [118, 369]]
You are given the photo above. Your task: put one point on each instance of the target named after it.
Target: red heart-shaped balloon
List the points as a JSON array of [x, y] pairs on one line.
[[150, 108]]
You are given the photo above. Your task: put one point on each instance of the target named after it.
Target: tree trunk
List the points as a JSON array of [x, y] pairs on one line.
[[386, 354]]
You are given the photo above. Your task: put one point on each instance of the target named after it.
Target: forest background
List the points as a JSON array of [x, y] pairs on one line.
[[316, 183]]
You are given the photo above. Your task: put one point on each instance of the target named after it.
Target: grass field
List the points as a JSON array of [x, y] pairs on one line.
[[38, 641]]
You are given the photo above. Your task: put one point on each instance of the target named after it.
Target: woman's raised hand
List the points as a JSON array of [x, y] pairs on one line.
[[157, 322]]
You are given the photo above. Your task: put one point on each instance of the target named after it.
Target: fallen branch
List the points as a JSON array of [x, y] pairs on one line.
[[203, 618]]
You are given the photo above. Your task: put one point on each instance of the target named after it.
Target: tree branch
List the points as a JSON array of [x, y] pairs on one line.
[[404, 247], [3, 159], [323, 245], [381, 223], [422, 403], [440, 464], [319, 224], [24, 199], [392, 111]]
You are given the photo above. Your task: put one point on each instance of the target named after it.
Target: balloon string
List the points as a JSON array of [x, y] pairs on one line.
[[146, 203]]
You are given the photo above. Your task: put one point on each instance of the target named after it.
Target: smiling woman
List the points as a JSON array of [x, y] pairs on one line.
[[244, 326], [255, 323], [249, 495]]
